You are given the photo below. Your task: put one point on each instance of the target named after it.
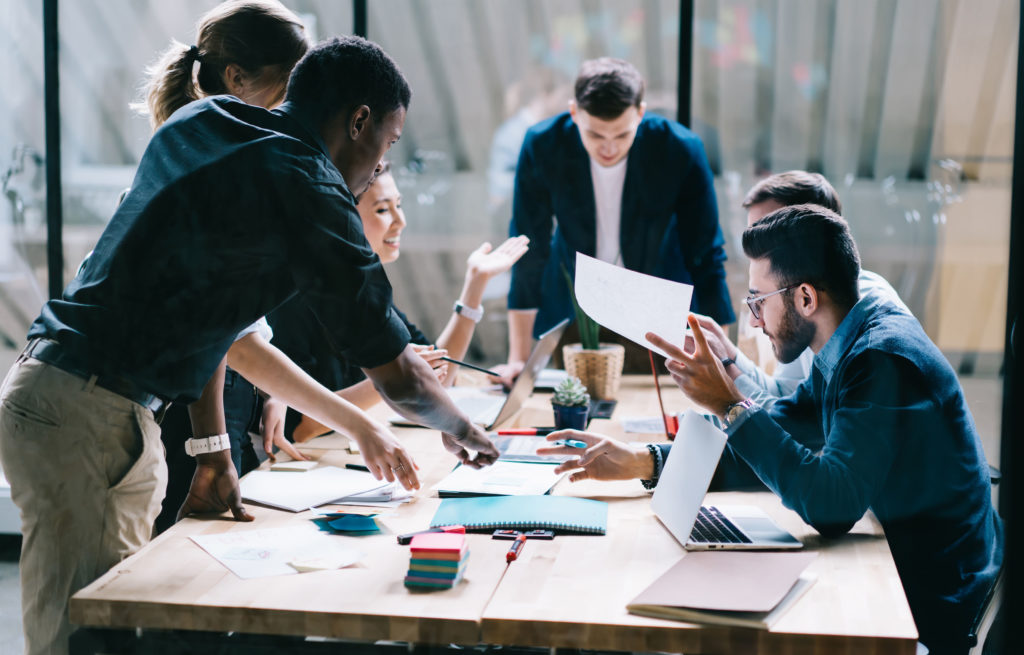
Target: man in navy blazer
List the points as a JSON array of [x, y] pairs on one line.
[[615, 184]]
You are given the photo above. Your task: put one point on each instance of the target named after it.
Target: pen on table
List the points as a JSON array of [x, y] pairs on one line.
[[517, 545], [472, 366], [406, 539], [539, 432], [357, 467], [571, 443]]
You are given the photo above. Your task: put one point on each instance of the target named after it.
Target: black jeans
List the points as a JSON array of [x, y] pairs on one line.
[[242, 408]]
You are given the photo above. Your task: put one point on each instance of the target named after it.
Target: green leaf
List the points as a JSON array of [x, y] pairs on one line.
[[588, 327]]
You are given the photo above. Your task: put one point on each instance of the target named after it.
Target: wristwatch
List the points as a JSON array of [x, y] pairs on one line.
[[736, 410], [203, 445], [472, 313]]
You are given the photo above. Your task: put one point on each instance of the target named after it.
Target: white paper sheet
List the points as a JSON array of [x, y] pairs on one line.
[[643, 424], [261, 553], [632, 304], [300, 491], [500, 479]]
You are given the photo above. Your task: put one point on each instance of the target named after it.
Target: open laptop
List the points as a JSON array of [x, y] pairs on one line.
[[491, 409], [684, 483]]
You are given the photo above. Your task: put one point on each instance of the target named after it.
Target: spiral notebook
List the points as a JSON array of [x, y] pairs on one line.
[[564, 514]]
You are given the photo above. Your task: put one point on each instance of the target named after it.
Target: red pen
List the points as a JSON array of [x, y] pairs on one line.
[[539, 432], [513, 551]]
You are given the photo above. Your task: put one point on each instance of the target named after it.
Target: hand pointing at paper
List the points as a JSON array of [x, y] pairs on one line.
[[700, 375]]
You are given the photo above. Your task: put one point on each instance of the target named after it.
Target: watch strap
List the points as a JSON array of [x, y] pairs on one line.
[[735, 412], [472, 313], [203, 445]]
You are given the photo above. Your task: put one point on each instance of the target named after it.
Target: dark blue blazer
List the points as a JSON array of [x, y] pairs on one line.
[[668, 185]]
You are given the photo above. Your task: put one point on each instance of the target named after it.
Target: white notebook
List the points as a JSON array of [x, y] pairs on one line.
[[300, 491], [499, 479]]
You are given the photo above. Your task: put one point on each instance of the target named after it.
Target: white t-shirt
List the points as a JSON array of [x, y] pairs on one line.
[[608, 182]]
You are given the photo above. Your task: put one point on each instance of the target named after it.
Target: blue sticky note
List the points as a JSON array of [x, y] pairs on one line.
[[354, 523]]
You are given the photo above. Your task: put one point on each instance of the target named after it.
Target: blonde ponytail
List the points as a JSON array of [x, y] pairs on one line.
[[252, 34], [170, 83]]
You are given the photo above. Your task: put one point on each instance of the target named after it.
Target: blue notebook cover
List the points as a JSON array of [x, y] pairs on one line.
[[565, 514]]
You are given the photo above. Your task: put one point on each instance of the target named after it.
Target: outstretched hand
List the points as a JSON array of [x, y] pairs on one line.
[[488, 263], [214, 488], [701, 374], [604, 458], [272, 429]]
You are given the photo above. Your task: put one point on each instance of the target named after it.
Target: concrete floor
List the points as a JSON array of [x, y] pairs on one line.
[[984, 395]]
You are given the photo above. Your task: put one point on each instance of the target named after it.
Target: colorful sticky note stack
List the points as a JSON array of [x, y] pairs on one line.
[[437, 560]]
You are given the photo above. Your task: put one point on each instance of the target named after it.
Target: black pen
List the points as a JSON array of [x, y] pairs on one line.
[[357, 467], [472, 366]]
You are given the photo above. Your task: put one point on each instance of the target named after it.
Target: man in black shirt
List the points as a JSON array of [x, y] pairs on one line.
[[233, 210]]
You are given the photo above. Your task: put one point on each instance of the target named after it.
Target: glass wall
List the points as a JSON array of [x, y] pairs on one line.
[[481, 74], [907, 107], [22, 174]]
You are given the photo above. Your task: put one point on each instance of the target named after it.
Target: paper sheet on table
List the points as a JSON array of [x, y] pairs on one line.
[[277, 551], [643, 424], [632, 304]]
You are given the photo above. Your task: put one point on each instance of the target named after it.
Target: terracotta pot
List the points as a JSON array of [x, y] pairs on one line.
[[599, 370]]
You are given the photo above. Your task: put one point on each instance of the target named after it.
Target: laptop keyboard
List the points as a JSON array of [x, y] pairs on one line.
[[712, 527]]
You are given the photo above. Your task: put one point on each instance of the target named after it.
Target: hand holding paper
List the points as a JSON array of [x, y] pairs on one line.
[[631, 303], [701, 375]]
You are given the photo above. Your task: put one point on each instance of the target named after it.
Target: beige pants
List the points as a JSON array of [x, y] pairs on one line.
[[87, 473]]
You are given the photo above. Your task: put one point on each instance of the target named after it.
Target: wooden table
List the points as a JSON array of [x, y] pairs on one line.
[[569, 592]]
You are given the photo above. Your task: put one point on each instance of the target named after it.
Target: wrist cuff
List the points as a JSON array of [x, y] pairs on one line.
[[472, 313], [658, 464], [214, 444]]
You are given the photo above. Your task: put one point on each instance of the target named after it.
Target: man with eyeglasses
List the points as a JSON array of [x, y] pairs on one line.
[[881, 424], [752, 378]]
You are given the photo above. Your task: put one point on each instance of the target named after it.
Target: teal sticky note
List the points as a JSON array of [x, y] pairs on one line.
[[354, 523]]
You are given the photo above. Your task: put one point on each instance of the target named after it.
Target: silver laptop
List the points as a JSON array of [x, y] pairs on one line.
[[684, 482], [491, 409]]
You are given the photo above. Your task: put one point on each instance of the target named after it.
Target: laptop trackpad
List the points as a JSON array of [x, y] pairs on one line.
[[756, 524]]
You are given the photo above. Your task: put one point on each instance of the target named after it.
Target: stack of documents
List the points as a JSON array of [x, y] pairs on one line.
[[297, 492], [437, 560]]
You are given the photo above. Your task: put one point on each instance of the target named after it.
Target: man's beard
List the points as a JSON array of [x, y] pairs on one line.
[[794, 335]]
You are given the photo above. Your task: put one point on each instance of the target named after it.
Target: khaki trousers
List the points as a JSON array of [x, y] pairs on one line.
[[87, 473]]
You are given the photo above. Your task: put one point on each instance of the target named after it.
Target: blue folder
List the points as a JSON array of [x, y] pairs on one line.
[[564, 514]]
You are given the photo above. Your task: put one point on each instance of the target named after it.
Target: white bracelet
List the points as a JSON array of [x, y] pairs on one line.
[[203, 445], [472, 313]]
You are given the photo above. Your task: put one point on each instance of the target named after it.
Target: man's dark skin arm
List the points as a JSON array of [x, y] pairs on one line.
[[410, 387], [215, 483]]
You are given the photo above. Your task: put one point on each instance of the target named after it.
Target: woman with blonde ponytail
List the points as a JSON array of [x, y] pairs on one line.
[[246, 48]]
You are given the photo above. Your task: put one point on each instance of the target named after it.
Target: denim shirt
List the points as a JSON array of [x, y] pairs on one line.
[[882, 424]]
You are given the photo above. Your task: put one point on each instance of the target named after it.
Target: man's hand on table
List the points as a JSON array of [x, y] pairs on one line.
[[604, 458], [214, 488]]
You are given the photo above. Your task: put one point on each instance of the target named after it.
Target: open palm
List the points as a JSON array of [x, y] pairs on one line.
[[488, 262]]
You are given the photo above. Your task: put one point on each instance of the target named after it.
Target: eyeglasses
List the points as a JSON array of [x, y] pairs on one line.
[[755, 302]]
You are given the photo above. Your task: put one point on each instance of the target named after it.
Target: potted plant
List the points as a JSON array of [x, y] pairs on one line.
[[598, 365], [570, 403]]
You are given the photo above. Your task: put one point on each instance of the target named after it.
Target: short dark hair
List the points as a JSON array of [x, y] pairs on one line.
[[795, 188], [343, 73], [807, 243], [606, 87]]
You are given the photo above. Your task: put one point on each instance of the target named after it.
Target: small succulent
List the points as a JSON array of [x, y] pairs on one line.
[[570, 392]]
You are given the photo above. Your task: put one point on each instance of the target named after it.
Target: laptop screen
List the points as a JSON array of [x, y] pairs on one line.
[[687, 474]]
